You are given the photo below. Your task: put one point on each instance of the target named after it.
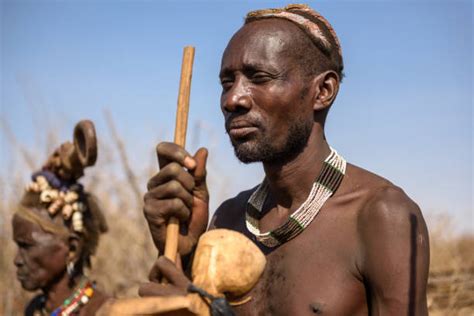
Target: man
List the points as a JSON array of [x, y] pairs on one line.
[[338, 239]]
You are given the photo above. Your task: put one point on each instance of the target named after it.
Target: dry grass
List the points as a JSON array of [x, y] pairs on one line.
[[451, 282], [126, 252]]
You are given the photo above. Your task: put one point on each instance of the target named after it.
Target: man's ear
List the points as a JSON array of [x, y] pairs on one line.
[[326, 87], [76, 246]]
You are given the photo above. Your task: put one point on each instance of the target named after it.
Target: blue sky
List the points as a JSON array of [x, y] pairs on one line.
[[404, 110]]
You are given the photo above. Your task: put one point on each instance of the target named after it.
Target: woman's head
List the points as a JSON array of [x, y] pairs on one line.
[[57, 224], [42, 256], [50, 243]]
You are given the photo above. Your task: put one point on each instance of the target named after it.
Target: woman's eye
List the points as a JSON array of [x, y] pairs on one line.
[[24, 245]]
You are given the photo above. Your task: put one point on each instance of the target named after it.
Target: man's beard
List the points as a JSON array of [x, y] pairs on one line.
[[266, 151]]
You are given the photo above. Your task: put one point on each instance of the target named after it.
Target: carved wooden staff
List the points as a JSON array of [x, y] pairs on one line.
[[172, 230]]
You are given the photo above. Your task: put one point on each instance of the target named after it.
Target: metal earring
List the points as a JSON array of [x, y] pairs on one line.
[[70, 268]]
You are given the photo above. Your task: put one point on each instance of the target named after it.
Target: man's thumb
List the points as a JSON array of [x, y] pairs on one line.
[[200, 157]]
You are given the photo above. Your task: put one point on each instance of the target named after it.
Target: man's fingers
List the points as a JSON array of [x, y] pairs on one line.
[[159, 211], [172, 171], [156, 289], [170, 152], [172, 190], [154, 275], [172, 273]]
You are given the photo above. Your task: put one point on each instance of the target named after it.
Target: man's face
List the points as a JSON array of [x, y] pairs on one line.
[[41, 256], [267, 109]]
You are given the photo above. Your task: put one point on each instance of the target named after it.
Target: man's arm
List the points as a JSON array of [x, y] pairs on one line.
[[395, 254]]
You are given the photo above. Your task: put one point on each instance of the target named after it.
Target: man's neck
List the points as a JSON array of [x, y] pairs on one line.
[[290, 182], [58, 292]]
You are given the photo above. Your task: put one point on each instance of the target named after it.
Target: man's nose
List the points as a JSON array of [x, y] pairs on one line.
[[237, 98]]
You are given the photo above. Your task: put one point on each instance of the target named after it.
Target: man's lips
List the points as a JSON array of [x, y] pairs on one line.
[[240, 131]]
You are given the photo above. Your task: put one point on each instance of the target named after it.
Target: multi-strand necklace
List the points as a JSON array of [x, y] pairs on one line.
[[329, 179], [73, 304]]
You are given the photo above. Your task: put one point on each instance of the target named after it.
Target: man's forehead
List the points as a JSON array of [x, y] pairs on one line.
[[273, 31], [260, 40]]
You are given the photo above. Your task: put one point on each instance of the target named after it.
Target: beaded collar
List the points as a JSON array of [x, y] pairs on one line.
[[72, 305], [329, 179]]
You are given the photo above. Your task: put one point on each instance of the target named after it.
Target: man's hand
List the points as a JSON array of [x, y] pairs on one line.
[[163, 267], [178, 190]]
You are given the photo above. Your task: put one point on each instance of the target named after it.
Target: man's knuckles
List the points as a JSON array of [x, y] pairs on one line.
[[170, 152], [153, 182], [173, 188], [176, 208], [159, 211], [153, 215], [172, 171], [170, 190]]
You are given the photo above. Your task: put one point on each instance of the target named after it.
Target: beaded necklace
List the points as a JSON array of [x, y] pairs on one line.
[[329, 179], [71, 306]]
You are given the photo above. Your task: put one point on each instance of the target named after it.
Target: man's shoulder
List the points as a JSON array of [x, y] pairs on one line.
[[387, 205], [385, 202], [231, 209], [358, 177]]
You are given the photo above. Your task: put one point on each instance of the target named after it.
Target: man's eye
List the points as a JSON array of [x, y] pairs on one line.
[[226, 84], [260, 77]]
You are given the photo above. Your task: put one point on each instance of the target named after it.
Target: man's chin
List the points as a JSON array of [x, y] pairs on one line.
[[251, 151], [246, 155], [245, 159]]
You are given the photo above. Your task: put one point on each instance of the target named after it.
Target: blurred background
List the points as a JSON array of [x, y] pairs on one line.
[[404, 111]]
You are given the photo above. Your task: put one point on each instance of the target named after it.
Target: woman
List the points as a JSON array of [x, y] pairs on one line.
[[57, 228]]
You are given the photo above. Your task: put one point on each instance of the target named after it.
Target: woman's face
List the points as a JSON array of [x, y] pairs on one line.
[[41, 257]]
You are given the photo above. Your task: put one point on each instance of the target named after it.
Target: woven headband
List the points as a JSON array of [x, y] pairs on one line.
[[293, 14]]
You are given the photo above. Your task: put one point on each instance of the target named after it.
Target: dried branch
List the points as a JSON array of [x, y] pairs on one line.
[[11, 138], [132, 178]]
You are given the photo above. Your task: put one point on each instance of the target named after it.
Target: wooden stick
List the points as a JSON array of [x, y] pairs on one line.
[[172, 230]]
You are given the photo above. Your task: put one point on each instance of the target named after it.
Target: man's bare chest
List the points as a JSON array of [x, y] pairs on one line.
[[313, 274]]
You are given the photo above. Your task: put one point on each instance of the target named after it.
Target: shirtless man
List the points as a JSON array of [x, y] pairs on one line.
[[355, 244]]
